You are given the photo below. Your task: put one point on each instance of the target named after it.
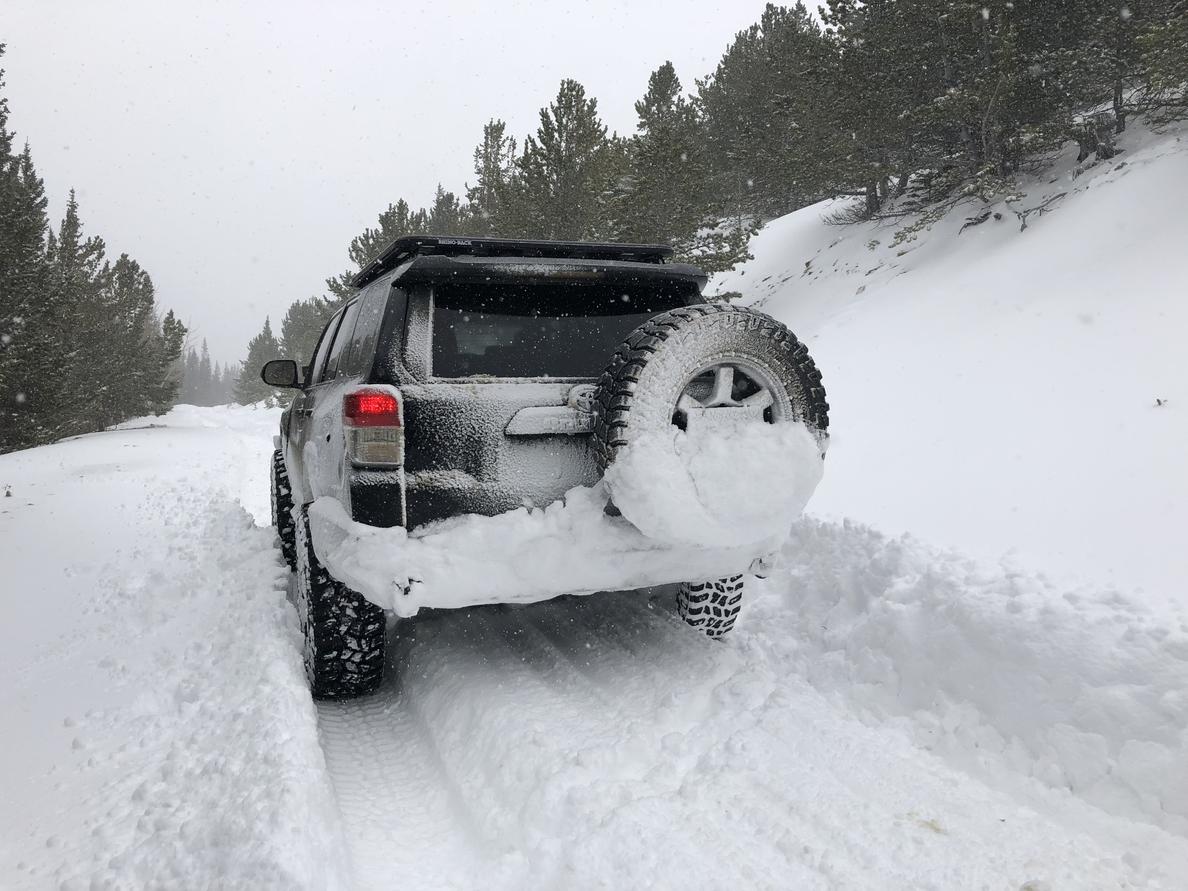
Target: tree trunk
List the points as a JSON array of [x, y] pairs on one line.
[[872, 199], [967, 140], [1119, 108]]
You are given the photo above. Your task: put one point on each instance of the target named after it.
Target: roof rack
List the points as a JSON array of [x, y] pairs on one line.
[[410, 246]]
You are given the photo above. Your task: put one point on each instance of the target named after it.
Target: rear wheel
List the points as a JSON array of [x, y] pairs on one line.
[[282, 509], [343, 631], [698, 366], [711, 607]]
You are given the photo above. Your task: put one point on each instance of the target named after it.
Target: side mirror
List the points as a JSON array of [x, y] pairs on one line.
[[281, 373]]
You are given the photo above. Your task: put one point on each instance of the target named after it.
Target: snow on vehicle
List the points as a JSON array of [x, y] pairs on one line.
[[479, 424]]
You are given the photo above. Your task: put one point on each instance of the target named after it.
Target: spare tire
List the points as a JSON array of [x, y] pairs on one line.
[[686, 365]]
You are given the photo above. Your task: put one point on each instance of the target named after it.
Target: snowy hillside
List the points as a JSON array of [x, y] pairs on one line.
[[995, 390], [886, 715]]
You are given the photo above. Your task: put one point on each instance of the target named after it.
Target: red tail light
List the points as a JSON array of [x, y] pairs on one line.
[[371, 408], [373, 419]]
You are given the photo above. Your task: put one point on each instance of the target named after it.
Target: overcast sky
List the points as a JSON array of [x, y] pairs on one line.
[[234, 149]]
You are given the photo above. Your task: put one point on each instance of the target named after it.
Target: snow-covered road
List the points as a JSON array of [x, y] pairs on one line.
[[597, 742], [883, 717]]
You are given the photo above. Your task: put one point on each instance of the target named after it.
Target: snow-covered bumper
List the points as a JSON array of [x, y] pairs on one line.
[[571, 547], [689, 508]]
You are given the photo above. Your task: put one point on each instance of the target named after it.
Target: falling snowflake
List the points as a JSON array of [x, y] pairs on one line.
[[985, 13], [1125, 13], [684, 157], [20, 398]]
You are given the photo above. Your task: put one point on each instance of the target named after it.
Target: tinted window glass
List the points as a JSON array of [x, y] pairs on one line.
[[536, 330], [367, 325], [341, 339], [319, 362]]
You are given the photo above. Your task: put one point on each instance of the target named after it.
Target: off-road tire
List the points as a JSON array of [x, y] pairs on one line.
[[657, 357], [343, 632], [711, 607], [282, 509], [639, 389]]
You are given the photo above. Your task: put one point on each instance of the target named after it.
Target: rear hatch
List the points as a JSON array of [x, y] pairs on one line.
[[503, 418]]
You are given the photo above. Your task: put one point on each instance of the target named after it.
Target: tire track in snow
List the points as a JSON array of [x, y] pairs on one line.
[[403, 820], [598, 742], [401, 785]]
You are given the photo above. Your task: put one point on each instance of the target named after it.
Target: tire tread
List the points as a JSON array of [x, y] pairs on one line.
[[344, 633]]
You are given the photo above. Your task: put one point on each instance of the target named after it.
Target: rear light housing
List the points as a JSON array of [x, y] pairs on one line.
[[373, 419]]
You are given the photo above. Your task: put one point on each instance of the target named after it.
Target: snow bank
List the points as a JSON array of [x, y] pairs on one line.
[[158, 727], [1083, 689], [692, 509], [995, 390]]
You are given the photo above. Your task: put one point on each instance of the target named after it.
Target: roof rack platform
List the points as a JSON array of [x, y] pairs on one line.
[[410, 246]]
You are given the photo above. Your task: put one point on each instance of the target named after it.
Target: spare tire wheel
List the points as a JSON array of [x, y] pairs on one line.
[[700, 366]]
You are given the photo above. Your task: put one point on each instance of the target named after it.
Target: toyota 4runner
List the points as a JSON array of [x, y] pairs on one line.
[[478, 376]]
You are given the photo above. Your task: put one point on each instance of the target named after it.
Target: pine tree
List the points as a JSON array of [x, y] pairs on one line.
[[494, 169], [564, 176], [661, 198], [131, 368], [230, 377], [78, 276], [665, 196], [764, 110], [249, 387], [446, 215], [1163, 46], [189, 388], [889, 73], [206, 389], [168, 364], [28, 342], [301, 327]]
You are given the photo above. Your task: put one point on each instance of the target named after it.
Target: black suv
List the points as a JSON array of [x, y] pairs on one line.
[[477, 376]]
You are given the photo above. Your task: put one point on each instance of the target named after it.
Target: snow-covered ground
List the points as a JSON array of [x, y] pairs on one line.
[[997, 390], [157, 730], [885, 715]]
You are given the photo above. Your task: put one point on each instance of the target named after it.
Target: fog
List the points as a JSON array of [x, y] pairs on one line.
[[234, 149]]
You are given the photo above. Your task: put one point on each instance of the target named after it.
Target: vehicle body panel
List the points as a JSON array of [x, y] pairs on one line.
[[460, 460]]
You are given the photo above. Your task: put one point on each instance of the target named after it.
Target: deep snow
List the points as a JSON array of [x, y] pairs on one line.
[[995, 390], [157, 729], [885, 714]]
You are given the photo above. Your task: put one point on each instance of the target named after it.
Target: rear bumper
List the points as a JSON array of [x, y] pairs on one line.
[[571, 547]]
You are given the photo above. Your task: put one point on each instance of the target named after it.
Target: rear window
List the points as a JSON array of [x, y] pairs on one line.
[[537, 330]]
